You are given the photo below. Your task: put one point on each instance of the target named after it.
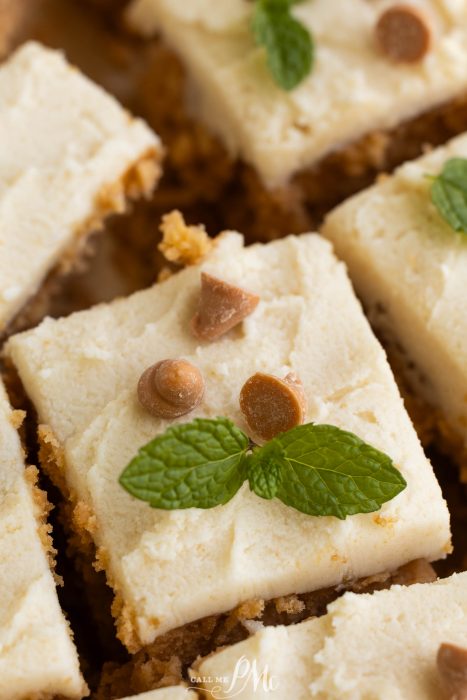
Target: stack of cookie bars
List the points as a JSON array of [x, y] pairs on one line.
[[319, 329]]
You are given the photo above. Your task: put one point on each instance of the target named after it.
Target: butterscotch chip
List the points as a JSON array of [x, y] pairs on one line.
[[221, 307], [403, 34], [272, 405], [452, 666], [170, 388]]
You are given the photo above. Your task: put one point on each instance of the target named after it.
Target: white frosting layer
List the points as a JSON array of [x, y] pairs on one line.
[[172, 567], [410, 267], [352, 90], [380, 646], [36, 651], [173, 693], [64, 143]]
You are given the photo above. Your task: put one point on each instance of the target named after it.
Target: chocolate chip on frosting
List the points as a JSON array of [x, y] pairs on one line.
[[171, 388], [221, 307], [272, 405], [452, 666], [403, 34]]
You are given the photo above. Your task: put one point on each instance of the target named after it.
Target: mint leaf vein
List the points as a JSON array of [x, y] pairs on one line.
[[329, 471]]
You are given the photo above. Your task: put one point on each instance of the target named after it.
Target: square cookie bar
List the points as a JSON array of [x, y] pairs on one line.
[[37, 654], [385, 79], [70, 156], [410, 267], [405, 643], [171, 567]]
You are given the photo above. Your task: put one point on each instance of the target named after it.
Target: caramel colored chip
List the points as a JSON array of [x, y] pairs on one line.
[[221, 307], [272, 405], [403, 34], [452, 666], [171, 388]]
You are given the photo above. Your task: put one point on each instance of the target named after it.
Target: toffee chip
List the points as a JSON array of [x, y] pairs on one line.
[[403, 34], [272, 405], [221, 307], [170, 388]]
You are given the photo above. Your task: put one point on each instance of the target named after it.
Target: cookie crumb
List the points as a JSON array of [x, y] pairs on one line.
[[183, 244]]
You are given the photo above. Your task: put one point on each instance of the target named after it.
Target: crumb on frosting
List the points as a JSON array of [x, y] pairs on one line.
[[250, 609], [183, 244], [291, 604], [17, 418]]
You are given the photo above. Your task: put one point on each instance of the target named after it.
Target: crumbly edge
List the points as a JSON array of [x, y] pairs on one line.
[[165, 661], [41, 503], [198, 168], [138, 181], [182, 244], [42, 508]]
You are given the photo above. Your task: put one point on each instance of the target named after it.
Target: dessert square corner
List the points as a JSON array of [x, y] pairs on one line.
[[168, 568], [71, 156], [37, 651]]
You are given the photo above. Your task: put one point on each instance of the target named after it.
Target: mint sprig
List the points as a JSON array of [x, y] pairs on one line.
[[316, 469], [288, 43], [194, 465], [449, 193]]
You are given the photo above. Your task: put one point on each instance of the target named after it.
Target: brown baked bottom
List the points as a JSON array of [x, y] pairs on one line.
[[138, 182]]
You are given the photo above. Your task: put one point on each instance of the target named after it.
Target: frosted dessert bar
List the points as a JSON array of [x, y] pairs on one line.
[[409, 266], [70, 156], [37, 654], [385, 645], [353, 110], [170, 568]]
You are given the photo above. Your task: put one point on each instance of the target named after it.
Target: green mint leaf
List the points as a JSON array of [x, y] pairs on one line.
[[449, 193], [288, 43], [194, 465], [328, 471], [264, 468]]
